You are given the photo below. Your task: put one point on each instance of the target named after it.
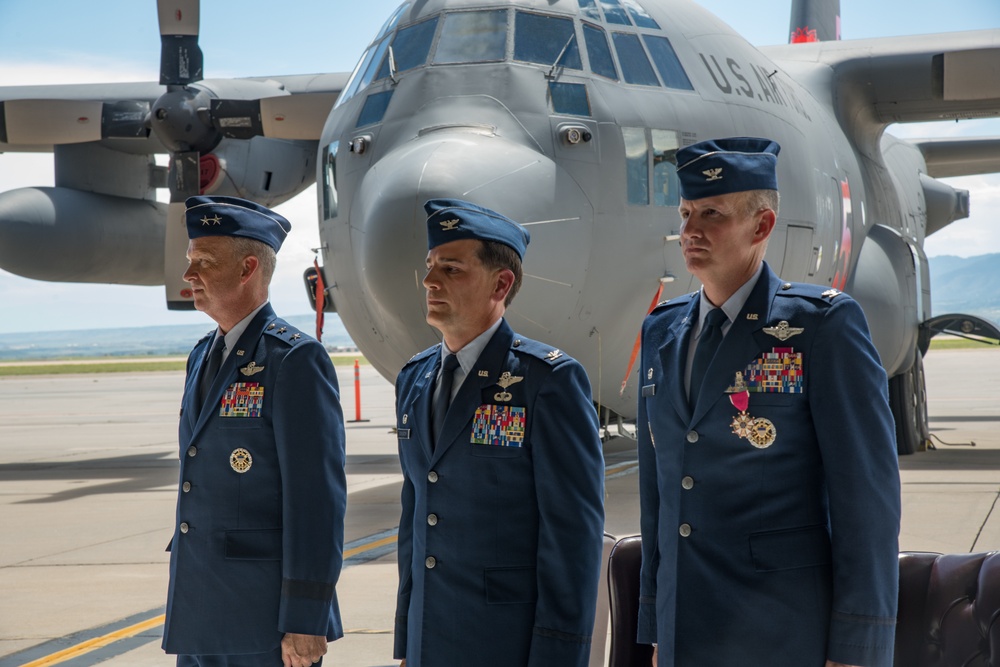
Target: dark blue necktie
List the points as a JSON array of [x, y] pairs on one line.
[[443, 398], [211, 368], [708, 343]]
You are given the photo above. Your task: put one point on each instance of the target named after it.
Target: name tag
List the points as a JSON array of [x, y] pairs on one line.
[[648, 390], [403, 433]]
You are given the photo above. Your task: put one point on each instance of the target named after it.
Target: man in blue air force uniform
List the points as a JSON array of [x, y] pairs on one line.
[[502, 502], [258, 543], [768, 476]]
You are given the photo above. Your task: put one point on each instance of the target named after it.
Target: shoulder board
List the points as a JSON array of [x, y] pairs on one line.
[[420, 356], [821, 293], [282, 330], [538, 350], [678, 301], [210, 334]]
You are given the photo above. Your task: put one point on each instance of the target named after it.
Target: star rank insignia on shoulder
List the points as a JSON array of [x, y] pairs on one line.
[[782, 331], [251, 369], [831, 294]]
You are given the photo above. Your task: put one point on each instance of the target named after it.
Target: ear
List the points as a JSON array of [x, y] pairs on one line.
[[764, 222], [248, 268], [504, 281]]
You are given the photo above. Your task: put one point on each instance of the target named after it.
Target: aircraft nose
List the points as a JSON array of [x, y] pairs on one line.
[[388, 211]]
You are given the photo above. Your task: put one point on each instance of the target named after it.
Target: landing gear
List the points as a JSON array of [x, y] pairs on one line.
[[908, 400]]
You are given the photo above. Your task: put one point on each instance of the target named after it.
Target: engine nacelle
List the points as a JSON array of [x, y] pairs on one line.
[[66, 235]]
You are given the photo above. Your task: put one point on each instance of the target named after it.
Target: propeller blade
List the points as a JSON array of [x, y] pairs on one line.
[[184, 182], [281, 117], [181, 59]]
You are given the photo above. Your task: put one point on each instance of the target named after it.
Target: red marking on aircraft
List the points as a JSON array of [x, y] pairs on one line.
[[803, 35]]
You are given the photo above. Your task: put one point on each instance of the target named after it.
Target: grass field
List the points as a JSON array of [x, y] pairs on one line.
[[124, 365]]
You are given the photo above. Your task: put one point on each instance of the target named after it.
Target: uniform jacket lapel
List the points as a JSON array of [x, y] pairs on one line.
[[740, 346], [420, 409], [228, 371], [458, 423], [673, 354]]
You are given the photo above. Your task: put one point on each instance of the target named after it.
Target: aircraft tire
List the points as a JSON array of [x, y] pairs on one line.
[[908, 400]]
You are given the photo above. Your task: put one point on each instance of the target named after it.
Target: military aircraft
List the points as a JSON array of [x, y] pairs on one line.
[[563, 114]]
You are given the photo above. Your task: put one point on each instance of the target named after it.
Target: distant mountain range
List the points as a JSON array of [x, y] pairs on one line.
[[966, 285], [958, 285], [177, 339]]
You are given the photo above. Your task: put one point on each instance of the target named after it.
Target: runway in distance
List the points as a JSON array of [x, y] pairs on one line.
[[562, 114]]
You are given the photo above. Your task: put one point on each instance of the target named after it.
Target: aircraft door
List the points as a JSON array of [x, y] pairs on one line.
[[799, 263]]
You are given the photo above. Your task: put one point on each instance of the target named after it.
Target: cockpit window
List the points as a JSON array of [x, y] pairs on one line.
[[599, 51], [614, 12], [410, 47], [635, 65], [473, 37], [588, 8], [362, 74], [390, 24], [569, 98], [545, 40], [669, 66], [639, 15]]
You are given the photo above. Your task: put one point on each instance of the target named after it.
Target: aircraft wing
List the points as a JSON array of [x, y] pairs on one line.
[[908, 79], [37, 118], [960, 156]]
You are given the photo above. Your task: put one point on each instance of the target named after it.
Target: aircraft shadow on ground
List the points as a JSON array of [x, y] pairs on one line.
[[134, 473], [945, 458]]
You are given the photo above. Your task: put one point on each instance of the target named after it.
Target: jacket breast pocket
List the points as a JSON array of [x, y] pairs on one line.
[[496, 451], [789, 549], [253, 544], [773, 398], [511, 585]]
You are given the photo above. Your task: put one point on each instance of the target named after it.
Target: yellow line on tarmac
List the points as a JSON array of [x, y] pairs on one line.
[[96, 643], [368, 547]]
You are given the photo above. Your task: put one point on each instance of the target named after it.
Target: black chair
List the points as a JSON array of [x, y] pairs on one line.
[[623, 582]]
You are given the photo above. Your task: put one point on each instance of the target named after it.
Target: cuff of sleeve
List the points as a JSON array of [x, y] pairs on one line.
[[310, 617], [399, 639], [861, 640], [646, 632]]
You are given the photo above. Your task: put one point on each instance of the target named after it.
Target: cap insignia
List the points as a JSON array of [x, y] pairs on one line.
[[713, 174], [450, 225], [215, 220]]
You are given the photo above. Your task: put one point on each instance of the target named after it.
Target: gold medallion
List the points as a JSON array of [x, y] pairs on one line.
[[240, 460], [741, 424], [761, 433]]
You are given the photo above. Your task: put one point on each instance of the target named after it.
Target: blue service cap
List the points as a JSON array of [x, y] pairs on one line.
[[454, 219], [232, 216], [720, 166]]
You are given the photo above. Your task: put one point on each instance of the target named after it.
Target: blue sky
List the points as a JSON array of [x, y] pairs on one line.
[[67, 41]]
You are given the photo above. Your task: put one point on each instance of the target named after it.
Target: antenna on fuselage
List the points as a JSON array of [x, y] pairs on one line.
[[814, 21]]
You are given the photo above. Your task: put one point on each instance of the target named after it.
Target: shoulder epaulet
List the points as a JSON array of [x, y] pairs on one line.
[[210, 334], [539, 350], [284, 331], [420, 356], [677, 301], [821, 293]]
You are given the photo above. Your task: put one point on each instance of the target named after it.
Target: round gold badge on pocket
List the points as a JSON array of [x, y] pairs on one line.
[[240, 460]]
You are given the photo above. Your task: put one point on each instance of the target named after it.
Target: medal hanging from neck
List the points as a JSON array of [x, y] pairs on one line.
[[759, 432]]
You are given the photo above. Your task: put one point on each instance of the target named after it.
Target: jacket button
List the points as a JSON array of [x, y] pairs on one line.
[[684, 530], [432, 477], [184, 527], [687, 483], [185, 487], [692, 436], [192, 451], [432, 519], [430, 562]]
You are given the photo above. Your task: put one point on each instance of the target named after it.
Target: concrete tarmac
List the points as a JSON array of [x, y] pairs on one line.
[[88, 474]]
